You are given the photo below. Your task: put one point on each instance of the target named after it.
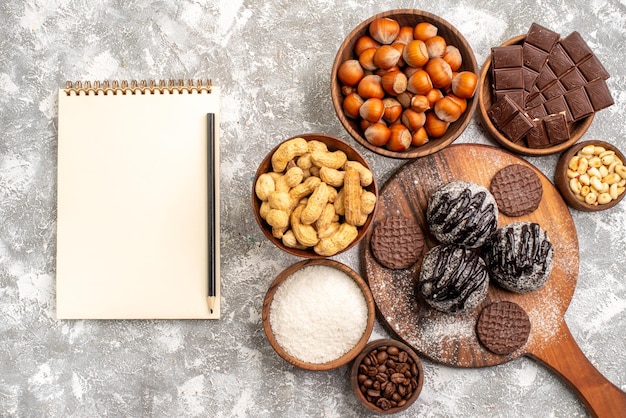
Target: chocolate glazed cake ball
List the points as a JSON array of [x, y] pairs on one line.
[[453, 279], [462, 213], [520, 257]]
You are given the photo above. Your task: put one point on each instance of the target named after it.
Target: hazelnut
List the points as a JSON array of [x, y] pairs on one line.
[[384, 30], [371, 86], [352, 104], [419, 82], [366, 59], [464, 84], [447, 109], [452, 56], [394, 82], [415, 53], [439, 72], [435, 127], [350, 72], [363, 43], [436, 46], [419, 137], [372, 110], [386, 57], [393, 109], [377, 134], [413, 120], [405, 35], [420, 103], [399, 138], [424, 30]]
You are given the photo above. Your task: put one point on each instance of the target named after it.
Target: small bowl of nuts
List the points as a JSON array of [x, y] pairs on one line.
[[318, 314], [403, 83], [387, 376], [591, 176], [314, 196]]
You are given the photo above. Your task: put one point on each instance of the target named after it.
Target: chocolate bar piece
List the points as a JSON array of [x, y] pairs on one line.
[[530, 77], [537, 112], [550, 130], [555, 89], [541, 37], [599, 94], [573, 79], [592, 68], [517, 95], [578, 103], [558, 105], [559, 62], [534, 58], [508, 78], [510, 118], [576, 47], [506, 56], [545, 78]]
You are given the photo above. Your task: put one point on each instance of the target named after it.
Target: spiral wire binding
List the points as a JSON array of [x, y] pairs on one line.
[[136, 87]]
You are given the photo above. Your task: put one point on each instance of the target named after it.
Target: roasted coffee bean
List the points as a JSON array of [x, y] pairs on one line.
[[393, 351], [403, 357], [368, 382], [382, 357]]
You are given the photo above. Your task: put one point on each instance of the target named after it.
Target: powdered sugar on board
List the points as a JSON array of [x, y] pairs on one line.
[[451, 339]]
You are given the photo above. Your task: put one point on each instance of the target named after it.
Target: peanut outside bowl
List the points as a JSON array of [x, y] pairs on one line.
[[485, 100], [333, 144], [405, 17]]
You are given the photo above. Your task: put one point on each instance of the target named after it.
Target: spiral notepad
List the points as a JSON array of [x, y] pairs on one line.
[[134, 227]]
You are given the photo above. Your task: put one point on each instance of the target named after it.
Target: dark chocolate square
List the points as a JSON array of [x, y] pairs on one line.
[[555, 89], [506, 56], [599, 94], [537, 136], [576, 47], [556, 127], [573, 79], [558, 105], [578, 103], [545, 78], [559, 61], [530, 77], [537, 112], [508, 78], [592, 68], [534, 58], [518, 126], [541, 37], [502, 111], [535, 100], [517, 95]]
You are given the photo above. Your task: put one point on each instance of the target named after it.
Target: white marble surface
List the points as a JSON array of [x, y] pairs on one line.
[[272, 60]]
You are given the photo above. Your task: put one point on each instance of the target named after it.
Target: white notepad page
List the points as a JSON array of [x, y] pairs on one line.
[[132, 236]]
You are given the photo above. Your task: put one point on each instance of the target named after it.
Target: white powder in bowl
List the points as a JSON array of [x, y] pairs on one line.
[[318, 314]]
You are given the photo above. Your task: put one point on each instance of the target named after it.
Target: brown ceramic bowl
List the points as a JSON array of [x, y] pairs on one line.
[[345, 358], [358, 386], [333, 144], [405, 17], [562, 180], [485, 100]]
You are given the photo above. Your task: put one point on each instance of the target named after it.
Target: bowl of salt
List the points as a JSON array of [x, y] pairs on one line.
[[318, 314]]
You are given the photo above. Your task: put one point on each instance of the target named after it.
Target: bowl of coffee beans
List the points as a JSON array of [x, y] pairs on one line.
[[387, 376]]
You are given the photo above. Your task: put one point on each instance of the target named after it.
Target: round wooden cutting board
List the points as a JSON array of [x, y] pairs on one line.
[[451, 339]]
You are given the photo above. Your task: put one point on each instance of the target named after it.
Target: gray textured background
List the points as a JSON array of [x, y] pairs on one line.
[[272, 60]]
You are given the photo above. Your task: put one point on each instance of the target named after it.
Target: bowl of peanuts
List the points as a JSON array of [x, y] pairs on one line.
[[591, 176], [314, 196], [403, 83]]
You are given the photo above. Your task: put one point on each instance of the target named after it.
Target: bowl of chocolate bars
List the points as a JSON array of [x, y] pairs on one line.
[[540, 92]]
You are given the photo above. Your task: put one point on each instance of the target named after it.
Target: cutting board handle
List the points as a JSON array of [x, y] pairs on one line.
[[601, 397]]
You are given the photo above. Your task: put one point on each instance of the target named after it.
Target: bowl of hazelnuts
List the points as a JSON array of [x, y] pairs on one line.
[[403, 83]]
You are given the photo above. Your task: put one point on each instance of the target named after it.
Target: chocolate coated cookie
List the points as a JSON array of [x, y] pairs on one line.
[[503, 327], [520, 257], [397, 242], [462, 213], [517, 190], [453, 279]]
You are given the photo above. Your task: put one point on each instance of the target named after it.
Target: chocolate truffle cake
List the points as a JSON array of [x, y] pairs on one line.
[[520, 257], [462, 213], [453, 279]]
